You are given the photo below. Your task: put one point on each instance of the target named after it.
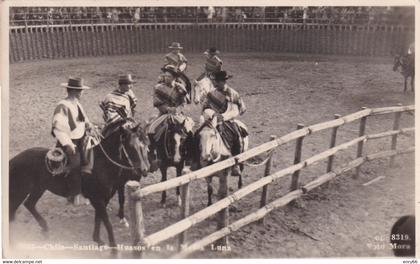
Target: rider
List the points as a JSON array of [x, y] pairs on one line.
[[70, 125], [169, 98], [176, 58], [228, 105], [213, 63], [121, 102]]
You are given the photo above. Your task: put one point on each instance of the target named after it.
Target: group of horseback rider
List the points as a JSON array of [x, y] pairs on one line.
[[76, 136]]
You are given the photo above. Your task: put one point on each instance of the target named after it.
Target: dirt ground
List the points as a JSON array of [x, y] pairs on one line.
[[280, 90]]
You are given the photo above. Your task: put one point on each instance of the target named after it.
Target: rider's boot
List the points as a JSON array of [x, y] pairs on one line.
[[236, 149]]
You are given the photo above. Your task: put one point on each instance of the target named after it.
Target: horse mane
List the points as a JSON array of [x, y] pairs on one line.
[[110, 128]]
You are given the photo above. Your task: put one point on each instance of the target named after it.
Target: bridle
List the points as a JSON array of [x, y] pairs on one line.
[[130, 162], [209, 124], [165, 138]]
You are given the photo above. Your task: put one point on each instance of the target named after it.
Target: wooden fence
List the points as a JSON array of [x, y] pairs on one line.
[[68, 41], [136, 194]]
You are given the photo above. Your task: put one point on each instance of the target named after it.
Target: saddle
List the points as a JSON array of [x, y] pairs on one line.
[[229, 131]]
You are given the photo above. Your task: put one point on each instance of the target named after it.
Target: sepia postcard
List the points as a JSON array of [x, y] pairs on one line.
[[208, 130]]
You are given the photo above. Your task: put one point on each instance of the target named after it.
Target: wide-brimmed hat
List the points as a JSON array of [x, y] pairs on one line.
[[171, 69], [211, 51], [125, 79], [175, 45], [221, 76], [75, 83]]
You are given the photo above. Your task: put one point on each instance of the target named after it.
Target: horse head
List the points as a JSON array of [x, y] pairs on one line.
[[134, 143], [209, 138], [176, 137], [201, 89]]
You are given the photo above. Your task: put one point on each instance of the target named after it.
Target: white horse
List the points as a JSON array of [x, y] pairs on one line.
[[201, 89], [212, 148]]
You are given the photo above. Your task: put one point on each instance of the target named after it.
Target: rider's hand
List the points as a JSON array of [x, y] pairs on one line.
[[70, 149]]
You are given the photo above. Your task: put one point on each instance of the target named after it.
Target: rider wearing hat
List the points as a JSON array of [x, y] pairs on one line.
[[121, 102], [169, 98], [213, 63], [70, 124], [228, 105], [176, 58]]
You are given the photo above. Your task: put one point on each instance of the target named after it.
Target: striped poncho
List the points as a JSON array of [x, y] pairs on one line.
[[118, 105]]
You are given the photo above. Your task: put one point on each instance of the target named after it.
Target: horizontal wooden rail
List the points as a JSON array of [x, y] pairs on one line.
[[200, 216], [210, 170], [391, 133], [282, 201], [392, 109]]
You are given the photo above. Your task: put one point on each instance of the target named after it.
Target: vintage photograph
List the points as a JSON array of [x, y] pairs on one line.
[[210, 132]]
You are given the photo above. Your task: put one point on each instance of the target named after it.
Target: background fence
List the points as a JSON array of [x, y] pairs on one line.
[[68, 41], [298, 188]]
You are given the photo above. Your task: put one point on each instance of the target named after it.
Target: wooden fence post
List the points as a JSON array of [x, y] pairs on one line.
[[223, 215], [332, 144], [298, 156], [135, 209], [396, 126], [362, 129], [267, 172], [185, 212]]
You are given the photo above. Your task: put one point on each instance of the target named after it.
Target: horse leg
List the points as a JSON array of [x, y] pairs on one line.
[[16, 199], [179, 169], [96, 230], [241, 167], [108, 227], [209, 190], [30, 204], [163, 171], [121, 201], [103, 215]]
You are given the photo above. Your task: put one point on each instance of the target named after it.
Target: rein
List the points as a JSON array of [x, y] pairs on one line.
[[165, 142], [119, 164], [208, 124]]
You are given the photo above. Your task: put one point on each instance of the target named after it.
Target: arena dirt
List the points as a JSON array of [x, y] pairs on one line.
[[280, 90]]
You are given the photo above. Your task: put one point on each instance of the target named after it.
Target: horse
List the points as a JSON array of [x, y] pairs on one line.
[[406, 62], [172, 149], [201, 89], [29, 178], [210, 148]]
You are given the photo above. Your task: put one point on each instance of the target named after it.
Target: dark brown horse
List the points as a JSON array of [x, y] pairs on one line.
[[406, 65], [122, 148], [172, 151]]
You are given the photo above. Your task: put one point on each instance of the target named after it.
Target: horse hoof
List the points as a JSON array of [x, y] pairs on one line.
[[124, 222], [100, 242]]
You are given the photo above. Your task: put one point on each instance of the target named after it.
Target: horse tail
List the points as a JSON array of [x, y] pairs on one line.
[[16, 196], [22, 177]]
